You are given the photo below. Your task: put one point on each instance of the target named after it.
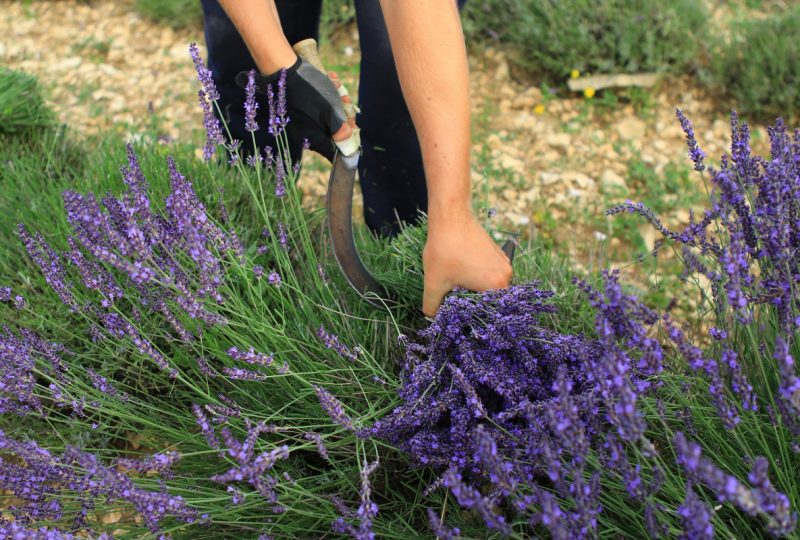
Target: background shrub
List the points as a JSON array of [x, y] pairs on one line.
[[21, 103], [174, 13], [757, 66], [551, 38]]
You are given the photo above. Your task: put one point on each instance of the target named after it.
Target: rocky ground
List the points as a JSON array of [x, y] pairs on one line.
[[548, 165]]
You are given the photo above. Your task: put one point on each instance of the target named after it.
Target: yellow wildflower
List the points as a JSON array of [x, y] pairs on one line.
[[574, 74], [588, 92], [538, 109]]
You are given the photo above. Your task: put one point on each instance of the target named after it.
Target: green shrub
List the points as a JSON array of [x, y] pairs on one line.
[[21, 104], [551, 38], [757, 67], [174, 13]]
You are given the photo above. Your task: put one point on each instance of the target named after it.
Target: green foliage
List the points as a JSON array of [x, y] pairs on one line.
[[21, 104], [758, 69], [336, 14], [551, 38], [174, 13]]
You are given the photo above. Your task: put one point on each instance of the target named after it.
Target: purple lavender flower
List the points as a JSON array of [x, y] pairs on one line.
[[16, 531], [49, 263], [203, 73], [250, 105], [237, 497], [213, 127], [205, 426], [317, 439], [241, 374], [695, 517], [258, 271], [332, 342], [274, 279], [280, 178], [695, 153], [103, 385], [5, 294], [283, 238], [159, 463], [334, 408], [763, 499], [471, 498], [439, 529]]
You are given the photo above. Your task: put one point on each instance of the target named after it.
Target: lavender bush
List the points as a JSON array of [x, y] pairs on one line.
[[183, 385]]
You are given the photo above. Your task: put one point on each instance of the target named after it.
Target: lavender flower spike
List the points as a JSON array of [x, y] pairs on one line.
[[250, 105], [695, 153], [334, 408], [203, 73]]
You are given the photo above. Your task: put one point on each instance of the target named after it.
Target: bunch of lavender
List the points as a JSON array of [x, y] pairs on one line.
[[508, 409]]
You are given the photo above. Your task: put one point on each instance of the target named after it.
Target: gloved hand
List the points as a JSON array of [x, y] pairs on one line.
[[313, 105]]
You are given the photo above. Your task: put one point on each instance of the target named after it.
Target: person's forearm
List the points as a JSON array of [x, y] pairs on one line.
[[256, 20], [429, 51]]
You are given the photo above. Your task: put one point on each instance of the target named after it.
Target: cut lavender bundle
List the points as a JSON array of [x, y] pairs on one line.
[[507, 405]]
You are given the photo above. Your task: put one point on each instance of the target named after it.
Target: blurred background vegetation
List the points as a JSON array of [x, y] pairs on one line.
[[753, 61]]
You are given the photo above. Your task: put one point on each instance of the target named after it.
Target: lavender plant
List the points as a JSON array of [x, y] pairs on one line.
[[185, 369]]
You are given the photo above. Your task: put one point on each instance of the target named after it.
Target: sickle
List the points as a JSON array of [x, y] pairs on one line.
[[340, 225]]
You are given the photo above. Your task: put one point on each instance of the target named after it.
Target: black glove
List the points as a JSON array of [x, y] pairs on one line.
[[314, 106]]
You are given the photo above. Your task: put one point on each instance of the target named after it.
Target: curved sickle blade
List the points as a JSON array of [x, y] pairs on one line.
[[340, 225], [509, 248]]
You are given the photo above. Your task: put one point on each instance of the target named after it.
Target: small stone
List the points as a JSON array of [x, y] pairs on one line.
[[526, 121], [609, 180], [68, 63], [599, 236], [501, 72], [514, 164], [348, 51], [494, 141], [576, 193], [523, 102], [111, 517], [682, 216], [630, 128], [648, 235], [533, 92], [509, 194], [533, 194], [558, 140], [548, 178], [108, 69], [580, 180]]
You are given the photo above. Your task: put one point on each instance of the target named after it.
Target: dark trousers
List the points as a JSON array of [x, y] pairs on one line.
[[390, 170]]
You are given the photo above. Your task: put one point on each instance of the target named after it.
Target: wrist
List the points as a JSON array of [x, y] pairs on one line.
[[272, 61], [443, 217]]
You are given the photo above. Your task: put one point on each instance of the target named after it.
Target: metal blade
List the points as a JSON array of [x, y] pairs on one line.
[[340, 225]]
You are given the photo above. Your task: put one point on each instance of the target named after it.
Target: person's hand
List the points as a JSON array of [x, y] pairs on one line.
[[313, 104], [459, 252]]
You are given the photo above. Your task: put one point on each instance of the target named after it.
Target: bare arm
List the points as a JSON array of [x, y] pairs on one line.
[[260, 27], [428, 48]]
